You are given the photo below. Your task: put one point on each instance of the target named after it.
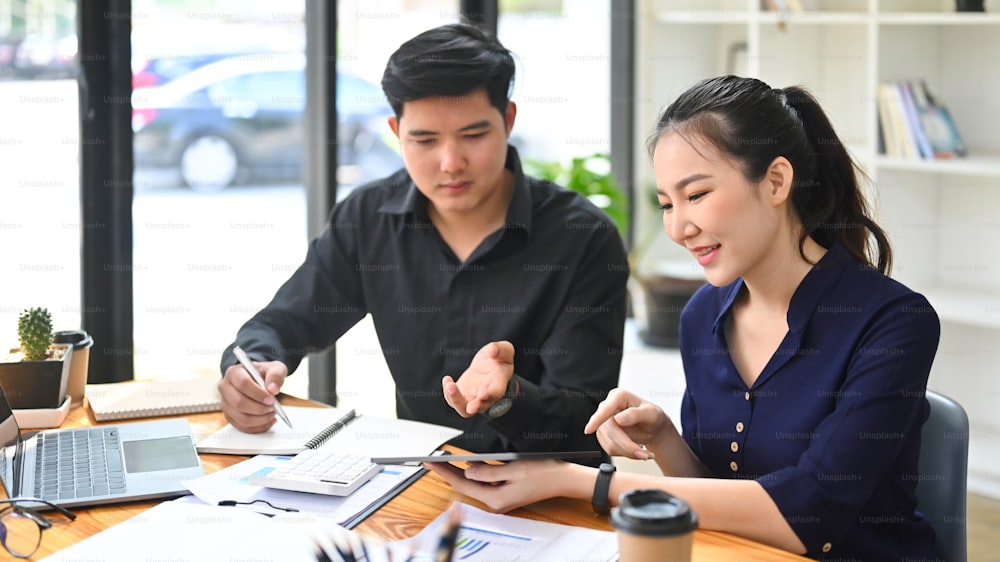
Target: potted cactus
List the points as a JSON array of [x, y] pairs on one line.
[[36, 373]]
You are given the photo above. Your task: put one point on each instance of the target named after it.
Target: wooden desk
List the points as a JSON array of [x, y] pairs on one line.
[[402, 517]]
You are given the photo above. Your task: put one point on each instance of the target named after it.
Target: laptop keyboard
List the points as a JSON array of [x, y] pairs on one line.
[[320, 471], [78, 463]]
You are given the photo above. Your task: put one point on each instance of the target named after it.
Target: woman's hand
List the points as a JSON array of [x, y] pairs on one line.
[[628, 426], [503, 487]]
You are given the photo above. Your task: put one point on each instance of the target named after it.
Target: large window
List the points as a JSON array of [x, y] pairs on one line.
[[219, 207], [40, 226], [562, 87]]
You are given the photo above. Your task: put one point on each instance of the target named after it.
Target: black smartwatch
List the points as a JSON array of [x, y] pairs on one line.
[[503, 405], [600, 501]]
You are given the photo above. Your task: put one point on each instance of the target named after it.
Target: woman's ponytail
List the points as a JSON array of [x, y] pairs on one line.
[[730, 111], [833, 207]]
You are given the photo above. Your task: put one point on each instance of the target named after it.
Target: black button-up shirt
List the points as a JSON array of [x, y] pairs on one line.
[[551, 281]]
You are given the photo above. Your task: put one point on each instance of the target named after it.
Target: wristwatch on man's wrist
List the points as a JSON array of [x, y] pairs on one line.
[[600, 502], [503, 405]]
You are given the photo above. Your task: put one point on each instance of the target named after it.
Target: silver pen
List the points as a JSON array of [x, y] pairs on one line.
[[255, 375]]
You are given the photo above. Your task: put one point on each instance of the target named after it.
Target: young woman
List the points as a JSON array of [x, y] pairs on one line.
[[805, 364]]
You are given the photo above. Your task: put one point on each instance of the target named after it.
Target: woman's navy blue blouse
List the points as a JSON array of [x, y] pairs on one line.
[[831, 427]]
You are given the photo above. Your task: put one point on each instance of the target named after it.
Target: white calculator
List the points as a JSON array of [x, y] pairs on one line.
[[320, 471]]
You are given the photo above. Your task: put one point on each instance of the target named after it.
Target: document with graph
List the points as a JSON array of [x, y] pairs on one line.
[[486, 536], [212, 532]]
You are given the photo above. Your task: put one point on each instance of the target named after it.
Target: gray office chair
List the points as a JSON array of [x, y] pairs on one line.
[[943, 466]]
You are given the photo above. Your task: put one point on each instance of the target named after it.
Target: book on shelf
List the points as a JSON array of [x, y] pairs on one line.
[[916, 124], [913, 119], [942, 133], [150, 398], [891, 117], [785, 6], [311, 427], [905, 128], [887, 137], [880, 148]]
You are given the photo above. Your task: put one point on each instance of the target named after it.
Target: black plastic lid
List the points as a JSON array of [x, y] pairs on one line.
[[79, 338], [653, 512]]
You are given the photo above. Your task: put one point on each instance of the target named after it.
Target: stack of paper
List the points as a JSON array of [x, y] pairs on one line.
[[185, 530]]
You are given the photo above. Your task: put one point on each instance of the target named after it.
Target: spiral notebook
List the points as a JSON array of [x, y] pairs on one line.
[[352, 432], [149, 398]]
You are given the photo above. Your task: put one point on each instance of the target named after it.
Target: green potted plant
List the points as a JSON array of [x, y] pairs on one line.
[[591, 177], [36, 373], [657, 295]]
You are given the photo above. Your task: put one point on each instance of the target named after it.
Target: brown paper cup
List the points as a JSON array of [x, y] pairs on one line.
[[653, 526]]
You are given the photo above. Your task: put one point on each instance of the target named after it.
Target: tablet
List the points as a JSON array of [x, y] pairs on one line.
[[508, 456]]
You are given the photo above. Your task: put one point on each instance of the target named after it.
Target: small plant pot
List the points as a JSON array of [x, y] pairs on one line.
[[37, 384], [657, 303], [81, 342], [970, 6]]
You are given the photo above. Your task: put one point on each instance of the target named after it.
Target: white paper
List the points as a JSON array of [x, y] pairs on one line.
[[485, 536], [187, 530], [183, 530], [232, 483], [367, 435]]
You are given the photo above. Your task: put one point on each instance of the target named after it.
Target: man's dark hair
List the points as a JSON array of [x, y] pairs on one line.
[[450, 60]]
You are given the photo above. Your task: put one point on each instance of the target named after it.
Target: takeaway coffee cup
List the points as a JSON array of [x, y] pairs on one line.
[[653, 526], [81, 342]]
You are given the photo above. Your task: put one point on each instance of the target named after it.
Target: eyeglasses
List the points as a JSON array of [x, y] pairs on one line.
[[21, 526]]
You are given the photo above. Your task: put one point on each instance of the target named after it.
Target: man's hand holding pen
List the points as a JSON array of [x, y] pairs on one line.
[[246, 405]]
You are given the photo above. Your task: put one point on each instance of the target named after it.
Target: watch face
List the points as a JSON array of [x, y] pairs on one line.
[[500, 407]]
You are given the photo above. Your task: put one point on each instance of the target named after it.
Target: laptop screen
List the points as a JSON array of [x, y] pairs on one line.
[[148, 455]]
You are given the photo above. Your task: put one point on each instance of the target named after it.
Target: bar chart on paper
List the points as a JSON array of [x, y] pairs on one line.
[[473, 542], [486, 536]]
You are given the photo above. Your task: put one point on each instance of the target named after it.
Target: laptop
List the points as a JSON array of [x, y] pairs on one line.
[[97, 465]]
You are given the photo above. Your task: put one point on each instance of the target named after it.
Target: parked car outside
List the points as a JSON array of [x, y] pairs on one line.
[[8, 52], [158, 56], [38, 57], [241, 119], [150, 72]]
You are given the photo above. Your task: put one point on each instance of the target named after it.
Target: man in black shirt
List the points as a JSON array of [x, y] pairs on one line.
[[463, 263]]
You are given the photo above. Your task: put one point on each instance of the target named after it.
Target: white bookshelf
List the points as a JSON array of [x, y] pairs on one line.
[[942, 216], [982, 163]]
